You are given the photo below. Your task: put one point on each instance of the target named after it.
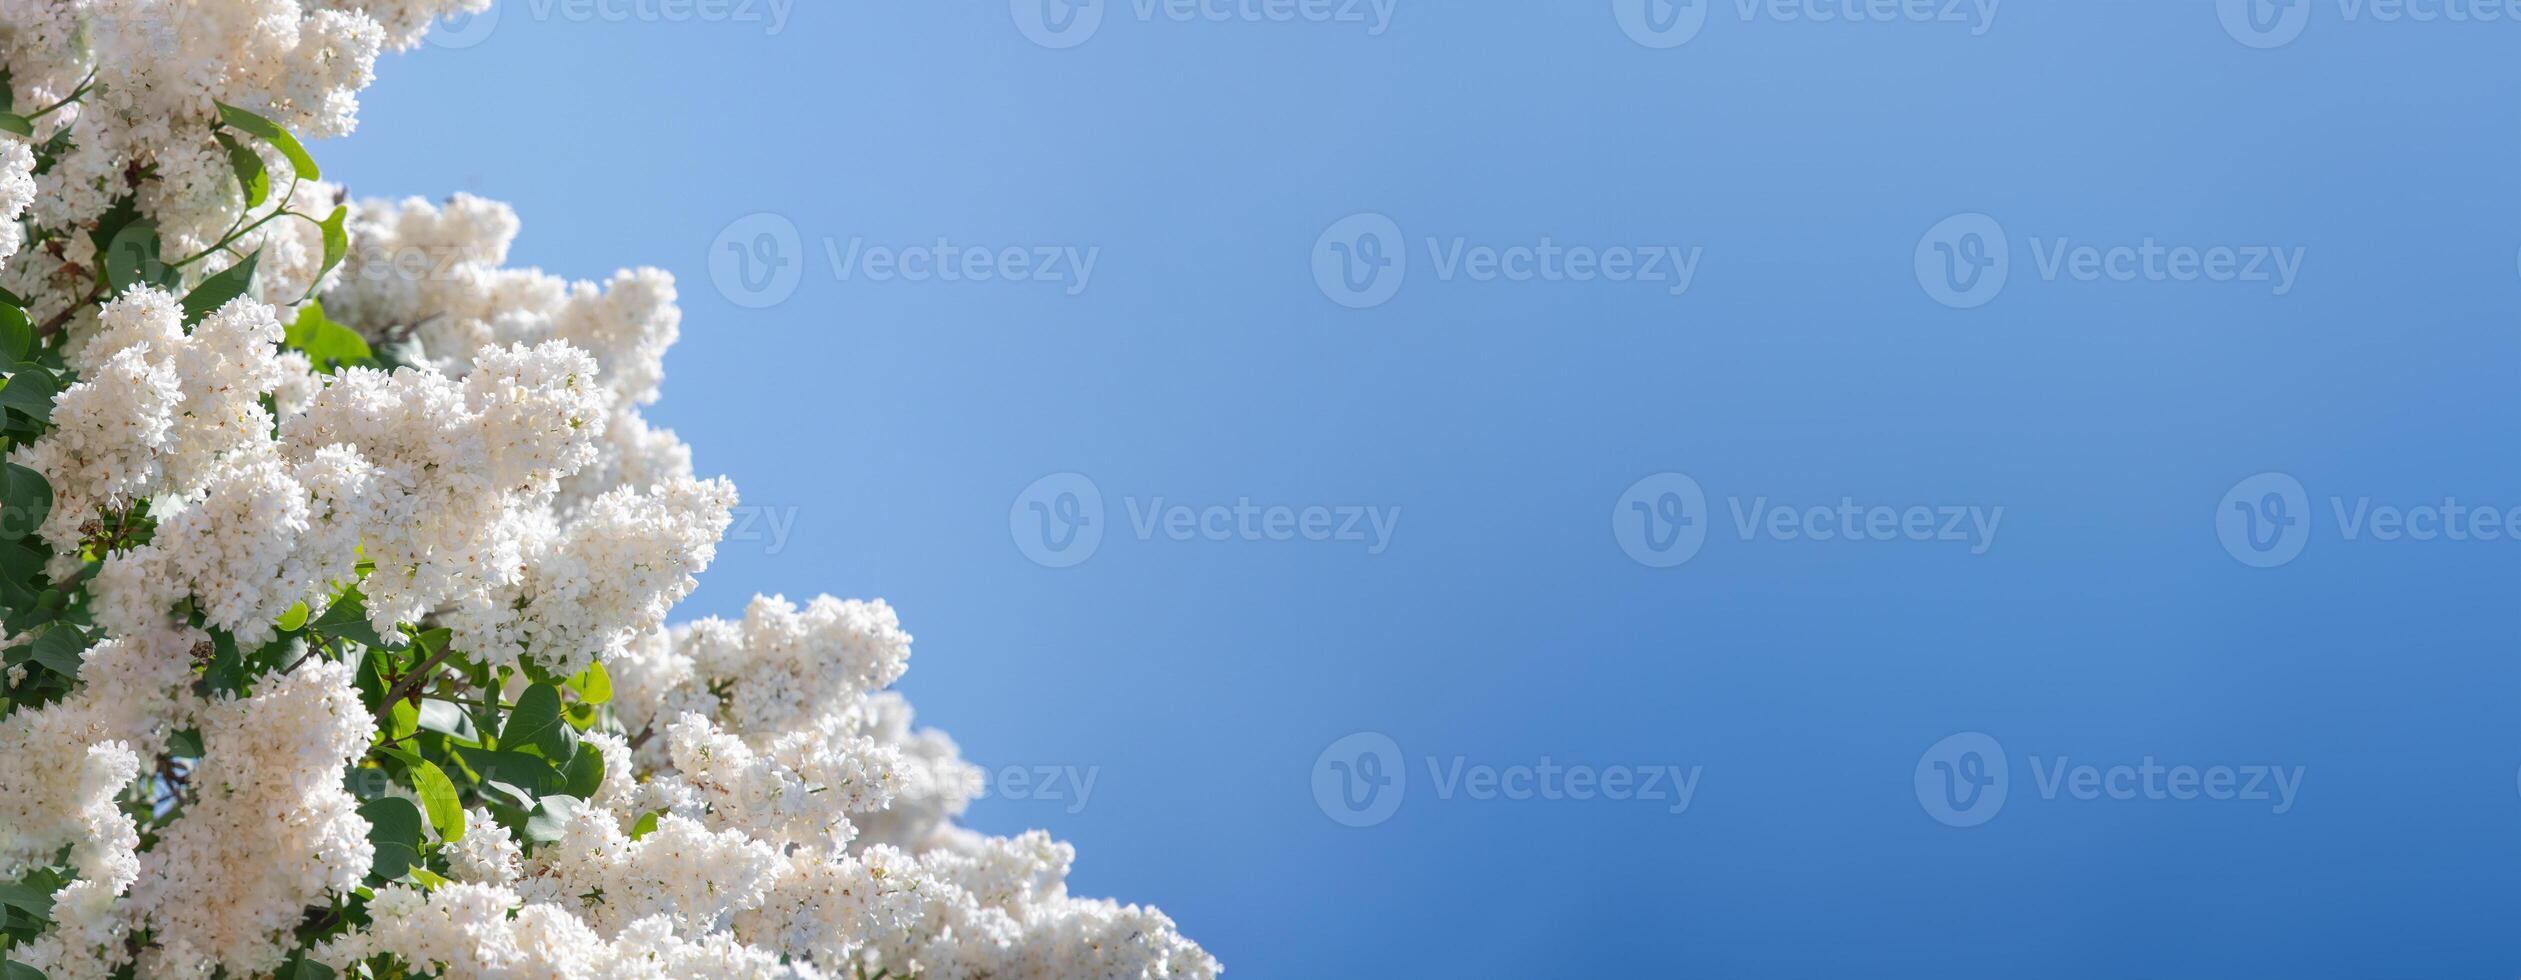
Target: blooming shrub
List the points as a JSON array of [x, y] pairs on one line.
[[335, 586]]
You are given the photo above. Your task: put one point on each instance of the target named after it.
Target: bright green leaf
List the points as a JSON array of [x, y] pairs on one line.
[[646, 825], [336, 240], [437, 793], [293, 620], [12, 122], [250, 173], [536, 725], [270, 132], [593, 685]]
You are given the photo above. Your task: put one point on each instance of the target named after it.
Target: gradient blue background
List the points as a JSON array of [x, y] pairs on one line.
[[1505, 623]]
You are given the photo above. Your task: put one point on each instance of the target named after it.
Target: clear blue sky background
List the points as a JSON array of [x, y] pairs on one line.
[[1807, 363]]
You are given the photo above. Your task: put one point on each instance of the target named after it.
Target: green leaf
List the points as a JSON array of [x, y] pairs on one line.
[[185, 744], [23, 493], [448, 720], [33, 899], [516, 775], [593, 685], [30, 392], [401, 720], [535, 725], [216, 291], [226, 671], [550, 817], [394, 827], [301, 968], [250, 173], [347, 618], [427, 879], [293, 620], [270, 132], [12, 122], [326, 343], [437, 793], [14, 970], [134, 257], [60, 647], [336, 244], [17, 335], [647, 824], [584, 775]]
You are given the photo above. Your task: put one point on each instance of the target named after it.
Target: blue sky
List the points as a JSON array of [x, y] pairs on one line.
[[2022, 492]]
